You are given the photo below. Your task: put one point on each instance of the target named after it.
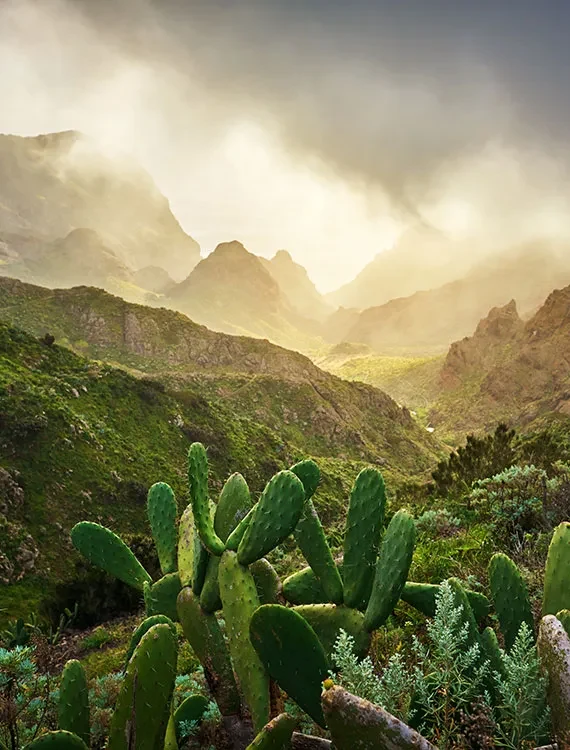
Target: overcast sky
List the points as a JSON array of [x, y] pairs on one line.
[[323, 127]]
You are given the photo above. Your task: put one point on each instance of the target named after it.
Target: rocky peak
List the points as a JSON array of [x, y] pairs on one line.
[[553, 316], [500, 323]]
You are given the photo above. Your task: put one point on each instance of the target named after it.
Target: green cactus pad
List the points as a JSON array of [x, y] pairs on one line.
[[492, 650], [467, 616], [422, 597], [276, 735], [143, 706], [234, 539], [170, 739], [204, 635], [186, 533], [556, 594], [362, 536], [60, 740], [293, 655], [198, 484], [240, 600], [510, 597], [328, 619], [162, 515], [311, 538], [391, 569], [191, 709], [303, 587], [73, 704], [275, 516], [266, 581], [355, 723], [107, 551], [143, 628], [160, 598], [233, 505]]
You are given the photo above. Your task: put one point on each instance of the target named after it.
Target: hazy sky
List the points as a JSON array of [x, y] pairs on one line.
[[320, 126]]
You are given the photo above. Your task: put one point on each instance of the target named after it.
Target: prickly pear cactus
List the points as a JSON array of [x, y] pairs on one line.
[[303, 587], [204, 635], [510, 597], [198, 483], [276, 735], [356, 723], [73, 704], [556, 594], [422, 596], [328, 619], [310, 536], [60, 740], [274, 518], [143, 628], [160, 597], [491, 650], [240, 601], [364, 522], [292, 654], [191, 709], [143, 706], [266, 581], [391, 569], [554, 650], [107, 551], [162, 515]]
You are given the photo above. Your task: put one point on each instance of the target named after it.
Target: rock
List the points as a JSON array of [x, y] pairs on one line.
[[554, 649]]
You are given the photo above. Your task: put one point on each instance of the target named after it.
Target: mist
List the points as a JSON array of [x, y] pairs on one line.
[[324, 129]]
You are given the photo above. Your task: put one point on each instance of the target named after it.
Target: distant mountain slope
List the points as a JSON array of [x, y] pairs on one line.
[[278, 388], [53, 184], [429, 321], [509, 370], [233, 291], [294, 282]]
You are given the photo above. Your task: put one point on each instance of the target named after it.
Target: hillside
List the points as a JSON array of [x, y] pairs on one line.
[[509, 370], [295, 284], [429, 321], [53, 184], [233, 291]]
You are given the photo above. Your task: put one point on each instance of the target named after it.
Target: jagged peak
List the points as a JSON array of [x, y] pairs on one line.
[[283, 256], [501, 321]]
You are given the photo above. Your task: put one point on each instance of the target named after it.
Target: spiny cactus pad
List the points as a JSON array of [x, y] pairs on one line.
[[275, 516], [191, 709], [328, 619], [356, 723], [107, 551], [143, 706], [276, 735], [162, 515], [198, 484], [391, 569], [293, 655], [266, 581], [310, 536], [510, 597], [467, 616], [204, 635], [240, 600], [303, 587], [186, 533], [234, 539], [491, 650], [362, 536], [73, 704], [556, 594], [60, 740], [422, 596], [143, 628], [160, 598]]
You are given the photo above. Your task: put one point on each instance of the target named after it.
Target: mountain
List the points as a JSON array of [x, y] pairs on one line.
[[430, 321], [295, 284], [509, 370], [423, 258], [232, 291], [337, 326], [154, 278], [56, 183]]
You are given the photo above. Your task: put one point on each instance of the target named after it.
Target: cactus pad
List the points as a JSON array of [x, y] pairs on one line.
[[276, 735], [391, 569], [143, 706], [198, 484], [293, 655], [554, 649], [274, 518], [60, 740], [144, 627], [240, 600], [328, 619], [203, 633], [191, 709], [162, 515], [160, 598], [510, 597], [557, 572], [364, 522], [356, 723], [73, 705], [107, 551], [303, 587], [266, 581], [422, 596]]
